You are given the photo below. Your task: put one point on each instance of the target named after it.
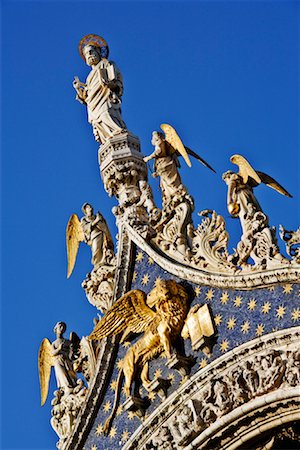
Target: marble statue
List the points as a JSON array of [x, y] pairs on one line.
[[60, 355], [167, 150], [258, 240], [102, 91], [93, 230]]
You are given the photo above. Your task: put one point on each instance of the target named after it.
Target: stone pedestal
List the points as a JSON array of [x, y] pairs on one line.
[[122, 167]]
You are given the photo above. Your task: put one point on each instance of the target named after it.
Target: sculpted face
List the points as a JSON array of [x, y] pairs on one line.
[[60, 328], [88, 210], [91, 55]]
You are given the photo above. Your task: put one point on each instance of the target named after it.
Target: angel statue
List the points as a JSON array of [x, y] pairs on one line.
[[93, 230], [168, 148], [258, 239], [60, 355], [160, 315], [103, 89]]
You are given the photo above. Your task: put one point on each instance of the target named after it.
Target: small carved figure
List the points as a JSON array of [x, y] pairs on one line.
[[133, 313], [93, 230], [147, 201], [221, 398], [251, 378], [60, 354], [163, 440], [103, 89], [258, 239]]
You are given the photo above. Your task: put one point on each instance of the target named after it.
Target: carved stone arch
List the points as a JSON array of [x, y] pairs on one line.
[[237, 400], [254, 425]]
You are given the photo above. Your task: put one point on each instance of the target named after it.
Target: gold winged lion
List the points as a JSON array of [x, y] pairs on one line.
[[160, 315]]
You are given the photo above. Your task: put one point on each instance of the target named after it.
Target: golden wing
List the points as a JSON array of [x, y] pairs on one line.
[[245, 169], [269, 181], [174, 140], [45, 362], [129, 313], [74, 235]]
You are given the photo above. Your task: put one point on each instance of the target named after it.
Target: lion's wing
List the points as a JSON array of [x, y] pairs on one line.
[[129, 313]]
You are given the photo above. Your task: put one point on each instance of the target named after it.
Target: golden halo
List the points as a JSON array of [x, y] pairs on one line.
[[96, 41]]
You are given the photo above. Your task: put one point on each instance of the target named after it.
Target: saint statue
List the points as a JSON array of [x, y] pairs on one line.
[[103, 89]]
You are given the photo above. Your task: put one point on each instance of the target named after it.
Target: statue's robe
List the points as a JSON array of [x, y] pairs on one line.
[[103, 103]]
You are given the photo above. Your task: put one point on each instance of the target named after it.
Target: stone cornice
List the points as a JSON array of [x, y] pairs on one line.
[[239, 280]]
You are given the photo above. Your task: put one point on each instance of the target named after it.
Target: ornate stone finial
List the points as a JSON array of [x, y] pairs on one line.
[[258, 239], [292, 243]]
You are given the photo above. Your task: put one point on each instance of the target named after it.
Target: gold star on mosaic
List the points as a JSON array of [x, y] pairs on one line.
[[157, 373], [271, 288], [139, 257], [171, 377], [203, 363], [296, 314], [224, 345], [112, 432], [224, 298], [210, 294], [125, 436], [287, 288], [280, 312], [252, 304], [266, 308], [237, 301], [157, 280], [99, 429], [94, 447], [150, 261], [260, 329], [120, 364], [231, 323], [134, 276], [107, 406], [197, 291], [218, 319], [245, 327], [113, 385], [145, 279], [151, 396], [119, 410], [131, 415]]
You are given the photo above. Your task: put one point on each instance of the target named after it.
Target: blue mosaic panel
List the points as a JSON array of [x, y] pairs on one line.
[[240, 316]]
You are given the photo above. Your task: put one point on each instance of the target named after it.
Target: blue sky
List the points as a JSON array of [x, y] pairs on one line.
[[224, 74]]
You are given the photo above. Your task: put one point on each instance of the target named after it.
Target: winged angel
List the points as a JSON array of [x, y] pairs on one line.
[[134, 313], [167, 150], [242, 203], [93, 230], [59, 355]]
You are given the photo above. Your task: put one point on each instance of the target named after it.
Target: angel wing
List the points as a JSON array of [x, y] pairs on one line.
[[45, 362], [269, 181], [195, 155], [245, 169], [74, 235], [129, 313], [174, 140]]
